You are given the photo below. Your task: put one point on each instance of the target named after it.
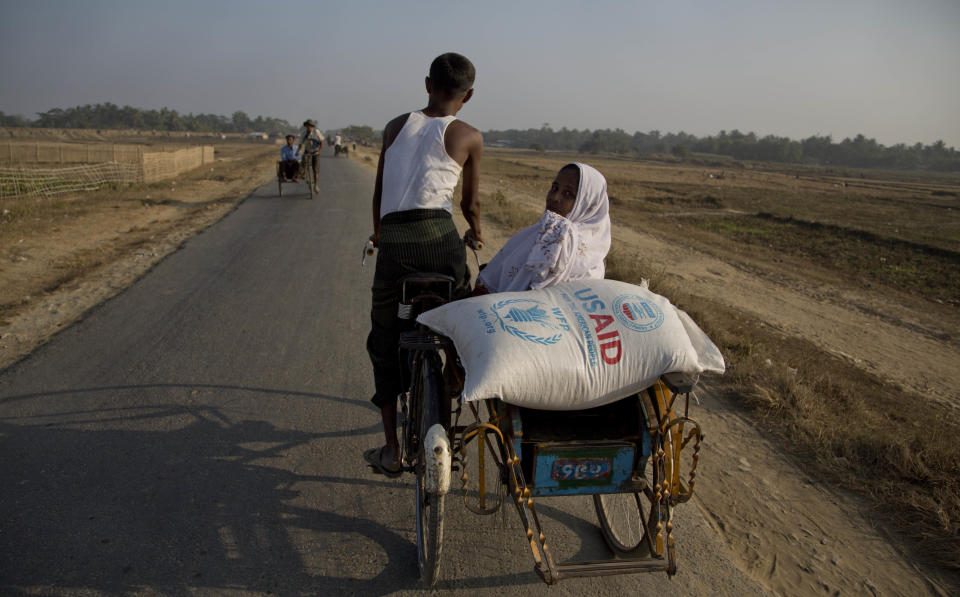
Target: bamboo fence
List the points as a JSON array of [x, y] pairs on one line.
[[97, 165], [48, 152]]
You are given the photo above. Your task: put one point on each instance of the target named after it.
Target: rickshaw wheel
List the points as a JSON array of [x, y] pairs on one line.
[[627, 518], [428, 391]]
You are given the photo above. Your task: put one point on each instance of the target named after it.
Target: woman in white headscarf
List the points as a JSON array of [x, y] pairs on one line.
[[569, 242]]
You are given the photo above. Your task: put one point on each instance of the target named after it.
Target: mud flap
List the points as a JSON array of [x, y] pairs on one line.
[[436, 455]]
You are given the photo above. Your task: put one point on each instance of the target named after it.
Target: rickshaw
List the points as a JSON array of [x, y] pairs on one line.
[[625, 455], [305, 175]]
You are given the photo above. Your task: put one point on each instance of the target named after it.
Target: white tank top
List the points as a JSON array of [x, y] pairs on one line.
[[417, 171]]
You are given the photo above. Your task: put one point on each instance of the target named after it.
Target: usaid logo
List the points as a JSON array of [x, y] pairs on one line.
[[637, 313], [529, 320]]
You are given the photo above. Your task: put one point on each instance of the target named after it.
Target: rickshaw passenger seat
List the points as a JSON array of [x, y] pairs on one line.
[[614, 421]]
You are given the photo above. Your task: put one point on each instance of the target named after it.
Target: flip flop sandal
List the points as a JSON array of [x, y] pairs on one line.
[[374, 458]]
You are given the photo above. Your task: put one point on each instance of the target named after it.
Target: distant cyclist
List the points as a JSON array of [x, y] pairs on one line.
[[337, 144], [310, 144]]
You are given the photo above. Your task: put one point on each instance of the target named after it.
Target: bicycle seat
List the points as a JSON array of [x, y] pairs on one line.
[[426, 278], [423, 291], [423, 281]]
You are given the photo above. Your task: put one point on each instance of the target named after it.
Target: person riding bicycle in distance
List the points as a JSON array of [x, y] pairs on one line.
[[423, 156], [310, 144]]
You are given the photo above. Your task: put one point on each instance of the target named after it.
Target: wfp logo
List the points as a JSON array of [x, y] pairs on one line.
[[637, 313], [528, 320]]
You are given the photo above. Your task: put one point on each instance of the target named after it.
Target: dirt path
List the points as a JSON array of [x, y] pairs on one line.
[[793, 533]]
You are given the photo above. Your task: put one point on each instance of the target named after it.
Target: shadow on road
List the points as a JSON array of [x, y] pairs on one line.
[[148, 494], [95, 500]]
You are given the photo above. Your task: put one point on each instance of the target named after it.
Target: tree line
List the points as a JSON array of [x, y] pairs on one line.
[[361, 133], [111, 116], [858, 152]]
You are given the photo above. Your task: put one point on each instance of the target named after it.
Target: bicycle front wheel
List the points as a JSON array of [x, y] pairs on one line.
[[306, 169], [428, 391]]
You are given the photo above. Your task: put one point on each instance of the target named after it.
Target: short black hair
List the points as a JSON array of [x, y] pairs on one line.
[[290, 137], [452, 73]]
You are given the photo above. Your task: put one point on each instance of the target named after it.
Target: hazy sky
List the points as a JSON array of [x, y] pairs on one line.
[[890, 70]]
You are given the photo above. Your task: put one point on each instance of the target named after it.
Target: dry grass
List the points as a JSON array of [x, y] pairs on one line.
[[928, 271], [846, 426], [509, 216]]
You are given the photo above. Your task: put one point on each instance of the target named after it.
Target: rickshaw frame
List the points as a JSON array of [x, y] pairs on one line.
[[655, 482]]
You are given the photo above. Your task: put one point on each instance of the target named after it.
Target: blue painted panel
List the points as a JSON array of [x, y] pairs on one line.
[[565, 469]]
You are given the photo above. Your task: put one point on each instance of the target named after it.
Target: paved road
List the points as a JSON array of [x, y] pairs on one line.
[[201, 434]]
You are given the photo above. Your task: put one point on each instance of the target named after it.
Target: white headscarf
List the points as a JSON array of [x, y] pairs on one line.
[[557, 249]]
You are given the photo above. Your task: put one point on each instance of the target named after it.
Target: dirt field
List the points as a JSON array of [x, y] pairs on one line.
[[811, 285]]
